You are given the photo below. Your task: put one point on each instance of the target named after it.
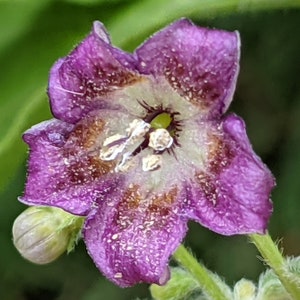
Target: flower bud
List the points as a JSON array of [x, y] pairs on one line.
[[42, 234], [244, 290]]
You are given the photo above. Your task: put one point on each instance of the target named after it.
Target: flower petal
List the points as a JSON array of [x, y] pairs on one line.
[[64, 165], [132, 234], [232, 195], [201, 64], [81, 81]]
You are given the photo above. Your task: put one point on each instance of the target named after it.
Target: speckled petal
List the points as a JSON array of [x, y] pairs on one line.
[[131, 238], [200, 63], [81, 82], [139, 147], [64, 166], [232, 195]]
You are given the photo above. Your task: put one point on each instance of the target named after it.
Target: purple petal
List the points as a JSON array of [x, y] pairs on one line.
[[201, 64], [80, 82], [232, 197], [131, 237], [64, 170]]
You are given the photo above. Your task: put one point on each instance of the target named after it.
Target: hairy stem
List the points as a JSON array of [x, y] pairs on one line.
[[205, 278], [273, 257]]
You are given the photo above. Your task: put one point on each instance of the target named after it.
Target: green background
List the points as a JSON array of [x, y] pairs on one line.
[[33, 34]]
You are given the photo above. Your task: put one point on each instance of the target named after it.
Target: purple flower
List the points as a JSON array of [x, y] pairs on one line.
[[139, 145]]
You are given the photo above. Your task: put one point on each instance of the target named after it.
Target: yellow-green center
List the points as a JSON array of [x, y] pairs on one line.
[[162, 120]]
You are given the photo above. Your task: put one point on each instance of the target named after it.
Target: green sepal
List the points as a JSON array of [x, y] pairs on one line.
[[75, 233], [180, 286], [73, 224], [271, 288], [293, 268]]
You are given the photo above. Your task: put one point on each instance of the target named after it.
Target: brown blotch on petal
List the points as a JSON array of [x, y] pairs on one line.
[[209, 91], [85, 135], [111, 80], [201, 90], [132, 197], [220, 154], [162, 204], [208, 186], [173, 73], [88, 170], [122, 79], [133, 205], [83, 171], [99, 167], [127, 207]]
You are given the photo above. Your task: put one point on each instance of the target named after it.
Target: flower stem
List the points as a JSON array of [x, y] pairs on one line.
[[273, 257], [203, 276]]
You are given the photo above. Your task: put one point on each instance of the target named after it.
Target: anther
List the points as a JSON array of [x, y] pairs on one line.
[[160, 139], [151, 162], [112, 146]]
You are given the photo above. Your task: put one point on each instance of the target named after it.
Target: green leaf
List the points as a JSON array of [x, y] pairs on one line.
[[16, 17], [92, 2], [104, 289], [130, 25], [26, 64], [12, 149], [286, 196]]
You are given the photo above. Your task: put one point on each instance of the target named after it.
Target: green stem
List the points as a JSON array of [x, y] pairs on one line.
[[204, 277], [273, 257]]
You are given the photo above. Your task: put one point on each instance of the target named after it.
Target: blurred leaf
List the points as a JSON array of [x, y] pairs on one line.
[[12, 149], [94, 2], [104, 289], [146, 16], [26, 64], [287, 194], [16, 17]]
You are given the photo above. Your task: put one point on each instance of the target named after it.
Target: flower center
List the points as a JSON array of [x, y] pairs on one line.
[[155, 133], [163, 120]]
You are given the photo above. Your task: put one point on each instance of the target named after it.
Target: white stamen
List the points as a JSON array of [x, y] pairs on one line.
[[113, 138], [121, 147], [137, 129], [109, 151], [116, 144], [126, 163], [160, 139], [151, 162]]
